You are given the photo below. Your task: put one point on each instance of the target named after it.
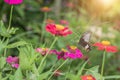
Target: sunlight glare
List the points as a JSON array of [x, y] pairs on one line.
[[107, 2]]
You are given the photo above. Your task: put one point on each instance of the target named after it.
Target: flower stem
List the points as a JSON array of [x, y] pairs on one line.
[[43, 26], [10, 20], [103, 63], [57, 69], [53, 66], [68, 69], [47, 52]]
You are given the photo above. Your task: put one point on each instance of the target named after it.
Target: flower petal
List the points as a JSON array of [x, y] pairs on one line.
[[112, 49], [13, 2]]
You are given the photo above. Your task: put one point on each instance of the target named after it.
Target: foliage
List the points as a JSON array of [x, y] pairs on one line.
[[28, 32]]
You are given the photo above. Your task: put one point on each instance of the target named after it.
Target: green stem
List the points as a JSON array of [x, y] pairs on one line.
[[57, 69], [47, 52], [10, 20], [113, 77], [103, 63], [68, 69], [53, 65], [43, 26], [5, 50]]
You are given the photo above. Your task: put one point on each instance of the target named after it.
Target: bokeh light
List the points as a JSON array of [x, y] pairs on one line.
[[107, 2]]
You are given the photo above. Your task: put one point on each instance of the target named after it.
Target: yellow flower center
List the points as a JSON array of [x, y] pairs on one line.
[[59, 27], [64, 50], [73, 47], [105, 43], [89, 78], [45, 7], [44, 49]]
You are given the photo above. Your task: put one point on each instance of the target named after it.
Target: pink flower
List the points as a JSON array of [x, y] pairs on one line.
[[13, 2], [75, 52], [72, 53], [13, 61], [9, 60], [16, 65], [43, 51], [61, 55], [58, 30]]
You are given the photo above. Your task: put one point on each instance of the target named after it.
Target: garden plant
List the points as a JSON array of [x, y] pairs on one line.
[[59, 40]]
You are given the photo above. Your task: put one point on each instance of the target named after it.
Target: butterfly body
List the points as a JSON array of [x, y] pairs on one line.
[[84, 41]]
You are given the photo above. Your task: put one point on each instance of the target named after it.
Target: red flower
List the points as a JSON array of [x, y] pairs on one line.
[[87, 77], [105, 45], [58, 30]]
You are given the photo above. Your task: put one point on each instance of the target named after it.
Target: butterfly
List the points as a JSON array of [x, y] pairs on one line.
[[85, 41]]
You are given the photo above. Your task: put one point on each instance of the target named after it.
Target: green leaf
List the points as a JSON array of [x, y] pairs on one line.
[[81, 69], [13, 30], [6, 78], [24, 61], [35, 70], [44, 75], [70, 76], [94, 71], [11, 77], [31, 76], [3, 30], [2, 62], [16, 44], [112, 77], [27, 56], [40, 69], [18, 75], [2, 45], [0, 76]]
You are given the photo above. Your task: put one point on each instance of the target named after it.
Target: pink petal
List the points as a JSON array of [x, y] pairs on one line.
[[13, 2], [15, 65], [9, 59]]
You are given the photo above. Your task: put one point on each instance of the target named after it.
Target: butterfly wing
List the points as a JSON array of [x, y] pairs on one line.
[[84, 41]]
